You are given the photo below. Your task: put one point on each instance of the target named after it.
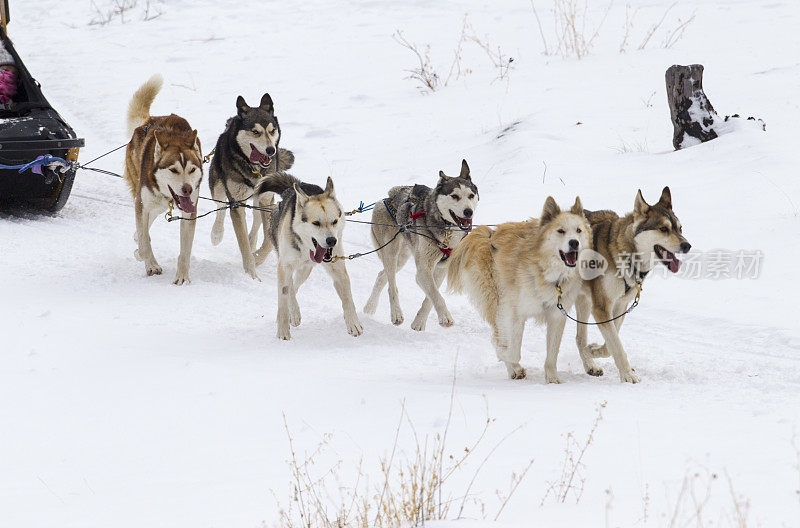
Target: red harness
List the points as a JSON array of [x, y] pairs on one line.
[[446, 250]]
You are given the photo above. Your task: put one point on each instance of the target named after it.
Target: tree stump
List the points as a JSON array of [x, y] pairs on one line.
[[693, 117], [691, 112]]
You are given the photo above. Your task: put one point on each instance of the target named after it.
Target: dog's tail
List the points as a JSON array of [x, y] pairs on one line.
[[285, 159], [278, 182], [470, 270], [139, 107]]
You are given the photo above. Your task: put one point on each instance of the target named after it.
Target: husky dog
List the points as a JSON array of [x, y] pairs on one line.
[[246, 152], [163, 168], [305, 231], [440, 218], [631, 246], [519, 271]]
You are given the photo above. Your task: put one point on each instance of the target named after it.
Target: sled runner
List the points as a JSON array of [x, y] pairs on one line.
[[38, 149]]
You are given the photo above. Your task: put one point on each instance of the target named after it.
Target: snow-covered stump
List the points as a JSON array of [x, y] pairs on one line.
[[693, 116]]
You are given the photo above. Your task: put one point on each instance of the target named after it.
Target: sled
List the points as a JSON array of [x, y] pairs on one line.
[[34, 139]]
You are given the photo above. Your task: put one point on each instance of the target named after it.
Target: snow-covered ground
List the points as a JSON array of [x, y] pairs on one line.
[[127, 401]]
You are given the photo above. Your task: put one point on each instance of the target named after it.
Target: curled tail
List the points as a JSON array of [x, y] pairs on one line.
[[470, 270], [285, 159], [139, 107], [278, 182]]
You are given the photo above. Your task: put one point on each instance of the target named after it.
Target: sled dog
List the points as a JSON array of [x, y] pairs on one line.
[[245, 153], [631, 247], [440, 218], [307, 230], [163, 168], [514, 273]]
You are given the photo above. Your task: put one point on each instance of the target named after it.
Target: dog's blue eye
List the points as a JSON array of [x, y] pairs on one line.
[[256, 133], [579, 230]]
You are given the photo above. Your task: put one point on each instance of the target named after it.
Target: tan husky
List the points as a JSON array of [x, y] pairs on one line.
[[163, 168], [513, 274], [631, 245]]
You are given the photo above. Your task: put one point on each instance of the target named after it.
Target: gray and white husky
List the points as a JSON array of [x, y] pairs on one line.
[[307, 230], [246, 152], [439, 218]]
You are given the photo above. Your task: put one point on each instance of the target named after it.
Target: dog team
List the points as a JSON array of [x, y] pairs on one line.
[[512, 273]]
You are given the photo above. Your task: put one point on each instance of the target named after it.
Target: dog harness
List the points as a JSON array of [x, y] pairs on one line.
[[416, 199]]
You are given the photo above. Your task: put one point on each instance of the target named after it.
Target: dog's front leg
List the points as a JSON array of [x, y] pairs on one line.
[[507, 337], [145, 219], [285, 294], [240, 229], [294, 307], [582, 313], [439, 273], [614, 346], [187, 239], [341, 281], [267, 201], [555, 331], [430, 286]]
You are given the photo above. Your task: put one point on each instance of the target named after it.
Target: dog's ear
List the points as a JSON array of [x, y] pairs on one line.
[[241, 105], [666, 198], [266, 103], [302, 197], [196, 143], [640, 207], [160, 144], [465, 170], [550, 211], [577, 207], [329, 187], [442, 176]]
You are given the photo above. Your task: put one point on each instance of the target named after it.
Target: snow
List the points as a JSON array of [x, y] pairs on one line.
[[127, 401]]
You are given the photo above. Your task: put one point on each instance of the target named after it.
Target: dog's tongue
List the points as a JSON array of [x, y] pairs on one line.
[[672, 262], [318, 255], [258, 157], [185, 204]]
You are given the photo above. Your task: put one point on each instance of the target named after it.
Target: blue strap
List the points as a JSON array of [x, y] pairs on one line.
[[36, 165]]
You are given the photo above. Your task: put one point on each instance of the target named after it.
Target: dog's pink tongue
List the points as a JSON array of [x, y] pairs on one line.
[[674, 264], [318, 255], [256, 156], [186, 204]]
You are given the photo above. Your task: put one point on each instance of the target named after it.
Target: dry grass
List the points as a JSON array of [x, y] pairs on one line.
[[572, 470], [125, 11], [415, 485], [426, 74]]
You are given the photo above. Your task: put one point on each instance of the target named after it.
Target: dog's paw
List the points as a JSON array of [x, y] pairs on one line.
[[181, 278], [598, 351], [551, 377], [294, 316], [629, 377], [252, 273], [216, 234], [594, 371], [516, 371], [354, 327], [418, 324], [153, 268], [446, 320], [371, 307], [284, 333], [397, 318]]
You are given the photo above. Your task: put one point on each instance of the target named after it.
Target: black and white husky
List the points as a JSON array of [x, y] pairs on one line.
[[307, 230], [246, 152], [439, 219]]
